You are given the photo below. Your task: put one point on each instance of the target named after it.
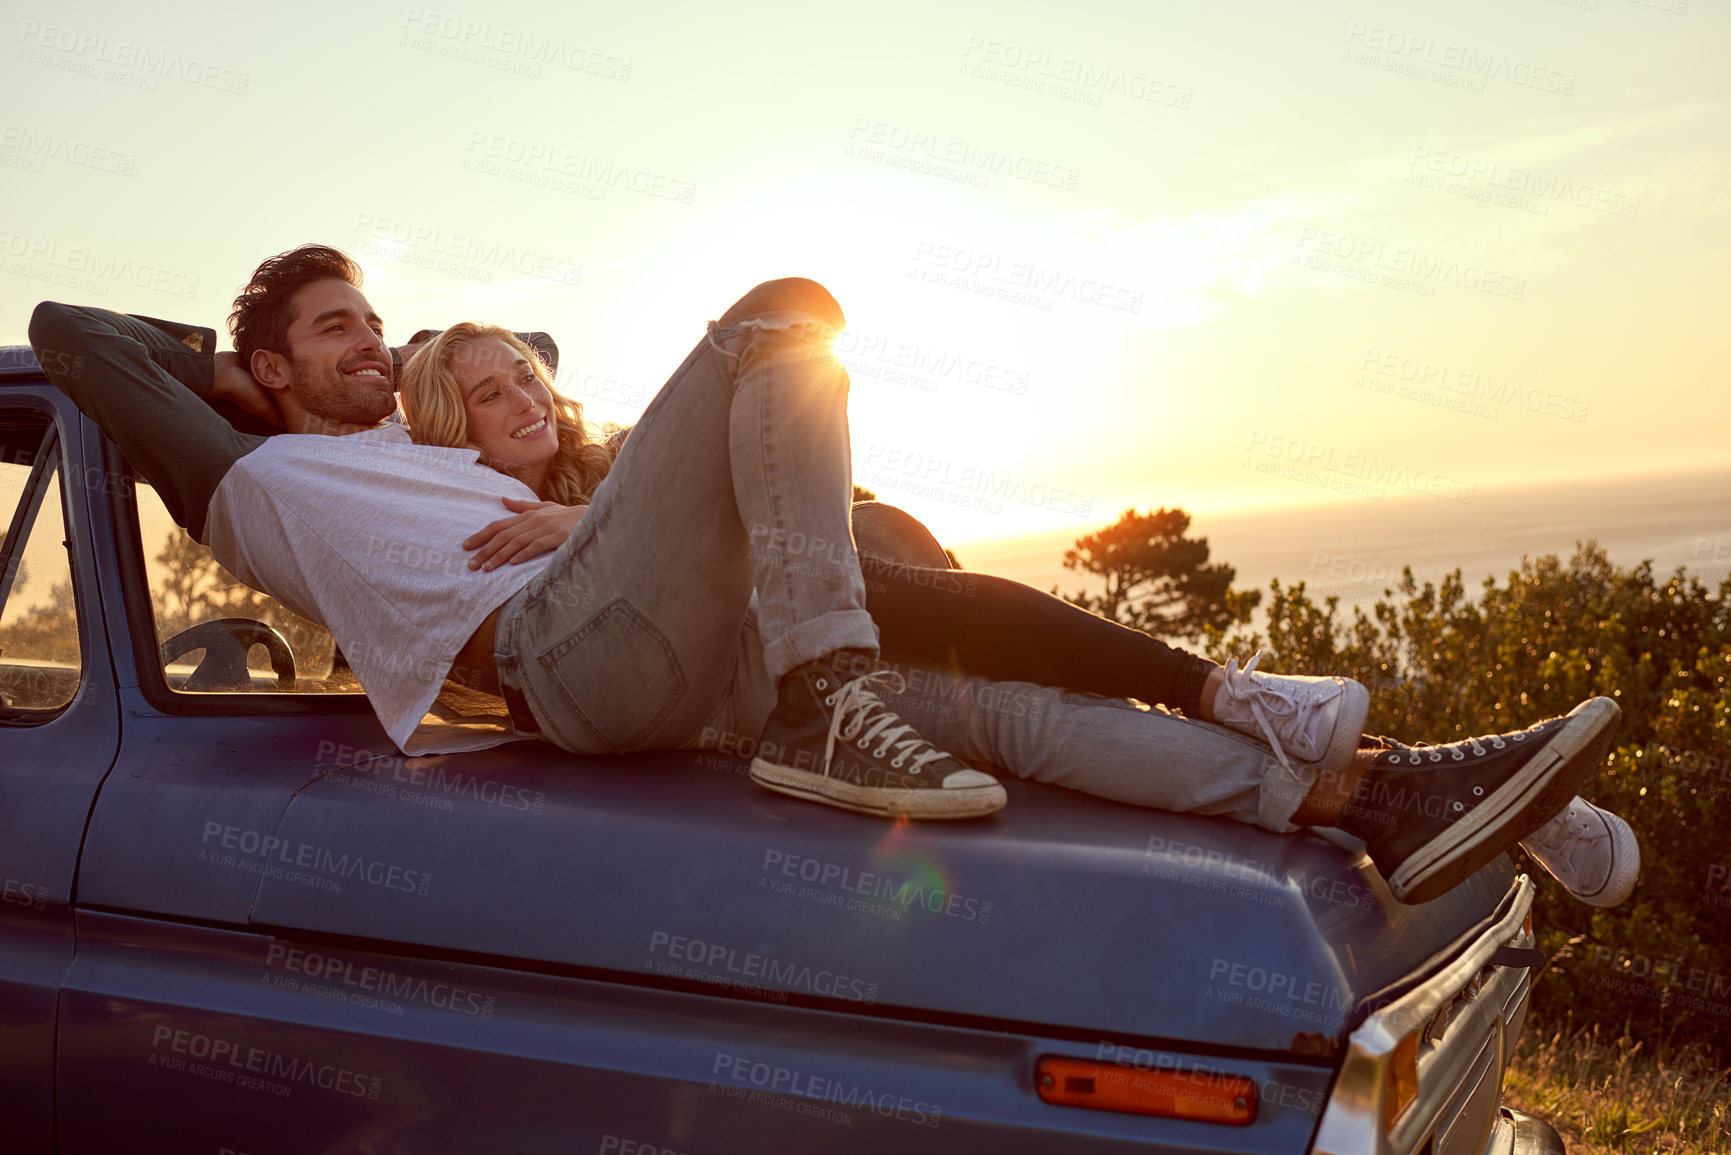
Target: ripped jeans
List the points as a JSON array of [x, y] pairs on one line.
[[717, 556]]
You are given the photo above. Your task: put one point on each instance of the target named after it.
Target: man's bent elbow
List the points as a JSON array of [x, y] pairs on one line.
[[53, 334], [47, 323]]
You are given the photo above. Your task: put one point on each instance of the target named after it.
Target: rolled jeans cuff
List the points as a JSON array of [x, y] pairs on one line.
[[808, 641]]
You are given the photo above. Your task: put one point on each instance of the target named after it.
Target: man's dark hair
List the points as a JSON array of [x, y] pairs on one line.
[[261, 313]]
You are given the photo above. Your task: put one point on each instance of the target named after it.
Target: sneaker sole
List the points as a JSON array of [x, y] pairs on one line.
[[879, 801], [1626, 853], [1348, 728], [1520, 806]]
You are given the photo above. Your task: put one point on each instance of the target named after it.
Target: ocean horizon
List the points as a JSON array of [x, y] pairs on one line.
[[1356, 549]]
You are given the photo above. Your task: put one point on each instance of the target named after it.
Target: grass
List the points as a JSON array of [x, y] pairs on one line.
[[1607, 1095]]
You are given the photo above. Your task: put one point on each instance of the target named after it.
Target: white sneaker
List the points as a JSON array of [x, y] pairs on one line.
[[1316, 720], [1591, 851]]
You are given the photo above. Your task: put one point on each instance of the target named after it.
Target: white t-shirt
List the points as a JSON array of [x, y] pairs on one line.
[[363, 534]]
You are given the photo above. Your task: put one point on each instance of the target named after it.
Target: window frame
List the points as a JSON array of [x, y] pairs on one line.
[[49, 459], [141, 626]]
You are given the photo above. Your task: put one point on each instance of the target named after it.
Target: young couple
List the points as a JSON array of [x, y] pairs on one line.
[[702, 589]]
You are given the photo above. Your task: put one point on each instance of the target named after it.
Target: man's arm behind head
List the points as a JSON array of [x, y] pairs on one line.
[[144, 382]]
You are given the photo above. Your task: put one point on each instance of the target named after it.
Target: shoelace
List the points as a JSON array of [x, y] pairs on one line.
[[1254, 692], [1435, 750], [1454, 749], [858, 711]]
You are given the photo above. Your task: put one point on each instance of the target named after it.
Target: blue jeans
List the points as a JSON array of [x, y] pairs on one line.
[[1111, 747], [717, 556]]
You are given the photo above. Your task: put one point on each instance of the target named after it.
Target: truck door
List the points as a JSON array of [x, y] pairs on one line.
[[59, 729]]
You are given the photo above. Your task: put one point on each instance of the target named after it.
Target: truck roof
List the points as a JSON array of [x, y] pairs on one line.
[[18, 362]]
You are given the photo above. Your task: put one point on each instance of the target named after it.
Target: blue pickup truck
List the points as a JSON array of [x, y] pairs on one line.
[[235, 919]]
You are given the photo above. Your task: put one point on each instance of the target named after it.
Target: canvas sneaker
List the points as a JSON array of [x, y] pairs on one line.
[[831, 739], [1315, 720], [1591, 851], [1427, 830]]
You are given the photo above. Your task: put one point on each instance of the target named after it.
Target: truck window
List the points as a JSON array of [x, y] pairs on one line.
[[40, 658], [206, 620]]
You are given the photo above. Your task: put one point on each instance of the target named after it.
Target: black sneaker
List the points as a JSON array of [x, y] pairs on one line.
[[1433, 815], [832, 740]]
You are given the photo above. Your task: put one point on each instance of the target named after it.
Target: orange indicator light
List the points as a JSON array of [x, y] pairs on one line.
[[1402, 1084], [1202, 1095]]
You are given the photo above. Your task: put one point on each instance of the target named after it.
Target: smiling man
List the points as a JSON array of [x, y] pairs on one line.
[[321, 523], [305, 332]]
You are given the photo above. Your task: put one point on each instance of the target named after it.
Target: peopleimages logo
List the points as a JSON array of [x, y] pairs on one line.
[[24, 894], [398, 775], [746, 964], [835, 882], [776, 1079], [1275, 985], [1429, 375], [1411, 265], [538, 162], [1021, 280], [871, 138], [275, 854], [45, 259], [466, 39], [1068, 77], [135, 65], [1458, 65], [1274, 1092], [1210, 868], [231, 1062], [923, 366], [965, 483], [461, 253], [365, 985], [1363, 470], [1542, 187], [1666, 981], [40, 145]]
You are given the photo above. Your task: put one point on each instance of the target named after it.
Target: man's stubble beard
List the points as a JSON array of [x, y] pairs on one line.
[[328, 396]]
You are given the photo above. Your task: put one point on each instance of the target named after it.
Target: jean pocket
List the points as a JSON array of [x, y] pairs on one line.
[[616, 676]]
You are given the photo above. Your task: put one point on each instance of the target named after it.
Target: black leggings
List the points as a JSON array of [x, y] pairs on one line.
[[998, 628]]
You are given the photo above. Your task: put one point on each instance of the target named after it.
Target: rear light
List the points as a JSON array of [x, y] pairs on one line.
[[1205, 1096], [1400, 1084]]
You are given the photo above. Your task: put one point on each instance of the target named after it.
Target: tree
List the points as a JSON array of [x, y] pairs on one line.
[[1157, 580], [44, 633], [188, 587], [1442, 664]]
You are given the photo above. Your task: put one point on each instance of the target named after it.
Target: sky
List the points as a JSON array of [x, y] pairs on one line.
[[1092, 255]]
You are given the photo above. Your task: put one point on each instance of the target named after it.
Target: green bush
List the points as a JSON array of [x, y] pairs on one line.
[[1442, 665]]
